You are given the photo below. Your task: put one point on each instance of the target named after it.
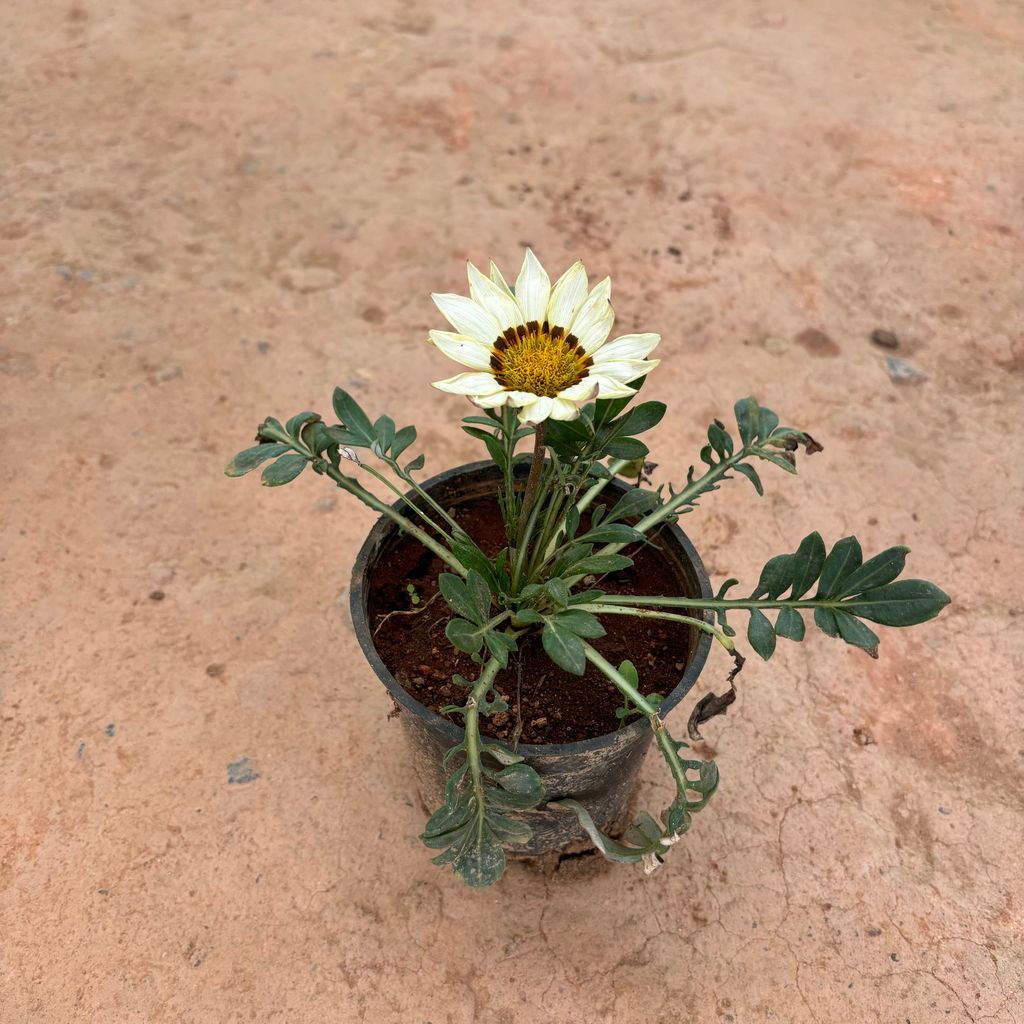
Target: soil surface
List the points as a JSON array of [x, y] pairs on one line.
[[546, 703], [215, 212]]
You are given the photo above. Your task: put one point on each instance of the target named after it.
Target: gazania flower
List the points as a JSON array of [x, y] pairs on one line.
[[541, 349]]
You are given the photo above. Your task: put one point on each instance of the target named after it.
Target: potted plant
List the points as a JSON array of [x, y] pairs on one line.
[[543, 568]]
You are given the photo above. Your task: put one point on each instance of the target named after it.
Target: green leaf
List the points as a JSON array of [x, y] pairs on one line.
[[298, 421], [606, 409], [627, 448], [480, 861], [751, 474], [748, 418], [416, 464], [776, 576], [640, 418], [596, 564], [353, 418], [464, 636], [789, 624], [501, 645], [760, 634], [558, 592], [769, 421], [876, 572], [405, 437], [251, 458], [720, 440], [564, 648], [581, 623], [807, 563], [457, 594], [634, 503], [480, 593], [612, 533], [384, 428], [842, 560], [903, 603], [853, 631], [284, 471], [826, 621], [521, 782]]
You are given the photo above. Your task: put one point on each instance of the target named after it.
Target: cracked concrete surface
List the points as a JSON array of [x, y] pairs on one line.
[[209, 213]]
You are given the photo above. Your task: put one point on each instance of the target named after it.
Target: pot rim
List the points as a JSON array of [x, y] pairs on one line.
[[358, 594]]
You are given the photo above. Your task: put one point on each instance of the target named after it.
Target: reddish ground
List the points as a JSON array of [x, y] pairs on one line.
[[209, 213]]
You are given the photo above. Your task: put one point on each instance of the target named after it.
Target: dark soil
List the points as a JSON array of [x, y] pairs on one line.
[[556, 707]]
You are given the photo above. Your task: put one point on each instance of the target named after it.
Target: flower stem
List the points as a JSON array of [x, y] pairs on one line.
[[644, 613], [533, 480]]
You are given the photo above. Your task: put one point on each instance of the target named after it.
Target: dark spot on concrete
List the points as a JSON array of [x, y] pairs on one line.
[[81, 749], [893, 957], [944, 810], [885, 338], [156, 595], [862, 736], [673, 250], [103, 892], [950, 312], [817, 343], [241, 772], [110, 729], [263, 347], [723, 220], [372, 314], [215, 669]]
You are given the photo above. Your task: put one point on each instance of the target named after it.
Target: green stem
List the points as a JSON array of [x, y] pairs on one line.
[[533, 480], [592, 492], [472, 725], [661, 735], [723, 603], [408, 478], [395, 490], [353, 486], [704, 627]]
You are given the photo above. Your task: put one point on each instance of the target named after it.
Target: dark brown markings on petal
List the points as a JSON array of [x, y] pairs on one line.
[[532, 327], [522, 332], [571, 341], [500, 343], [495, 363], [544, 327], [557, 332], [588, 362]]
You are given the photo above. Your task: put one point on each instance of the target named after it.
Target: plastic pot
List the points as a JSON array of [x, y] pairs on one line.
[[601, 773]]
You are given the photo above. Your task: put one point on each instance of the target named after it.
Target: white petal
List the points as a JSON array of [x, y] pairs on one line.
[[491, 401], [484, 292], [463, 349], [498, 279], [520, 398], [594, 336], [539, 409], [609, 388], [628, 346], [624, 370], [467, 317], [567, 296], [533, 288], [594, 309], [562, 409], [584, 391], [476, 384]]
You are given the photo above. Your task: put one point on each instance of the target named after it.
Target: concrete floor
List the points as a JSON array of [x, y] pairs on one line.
[[209, 213]]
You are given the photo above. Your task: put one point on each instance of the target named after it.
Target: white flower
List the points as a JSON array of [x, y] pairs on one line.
[[543, 349]]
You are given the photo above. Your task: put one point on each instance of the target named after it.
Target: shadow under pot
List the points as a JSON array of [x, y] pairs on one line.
[[600, 771]]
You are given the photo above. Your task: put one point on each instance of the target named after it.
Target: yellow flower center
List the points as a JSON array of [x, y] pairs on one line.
[[538, 359]]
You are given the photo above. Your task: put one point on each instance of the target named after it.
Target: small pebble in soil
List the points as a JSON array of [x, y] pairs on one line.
[[885, 338], [156, 595], [901, 372]]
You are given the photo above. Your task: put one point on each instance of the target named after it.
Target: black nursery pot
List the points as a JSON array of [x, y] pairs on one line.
[[601, 773]]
